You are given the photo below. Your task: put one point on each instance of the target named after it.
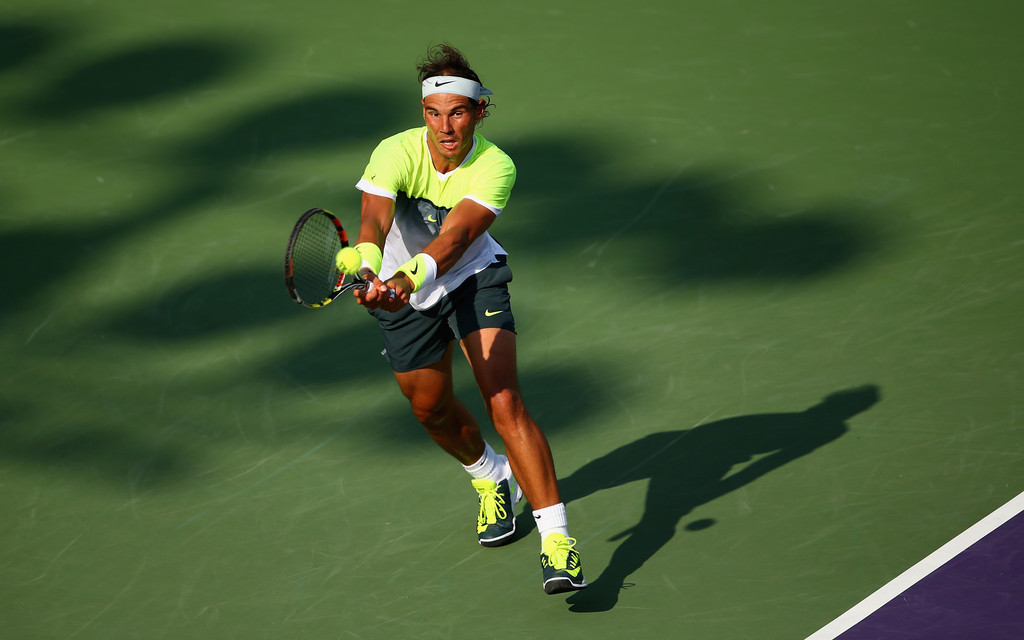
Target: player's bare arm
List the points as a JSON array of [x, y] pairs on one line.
[[461, 227], [377, 215]]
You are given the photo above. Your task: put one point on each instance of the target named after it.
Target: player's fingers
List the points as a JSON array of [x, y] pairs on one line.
[[367, 274], [393, 300], [369, 295]]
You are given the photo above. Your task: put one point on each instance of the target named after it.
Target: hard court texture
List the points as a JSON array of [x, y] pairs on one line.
[[806, 377]]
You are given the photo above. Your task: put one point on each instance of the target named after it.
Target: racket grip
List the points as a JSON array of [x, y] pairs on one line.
[[367, 284]]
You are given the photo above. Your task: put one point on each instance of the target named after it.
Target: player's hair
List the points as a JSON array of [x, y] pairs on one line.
[[445, 60]]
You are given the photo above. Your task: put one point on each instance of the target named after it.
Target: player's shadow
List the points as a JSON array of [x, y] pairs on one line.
[[691, 467]]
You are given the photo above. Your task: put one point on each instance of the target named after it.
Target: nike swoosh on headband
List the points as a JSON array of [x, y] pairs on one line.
[[454, 84]]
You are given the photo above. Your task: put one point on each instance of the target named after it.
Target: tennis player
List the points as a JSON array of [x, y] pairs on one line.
[[430, 194]]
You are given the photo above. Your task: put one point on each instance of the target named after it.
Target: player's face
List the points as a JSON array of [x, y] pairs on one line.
[[451, 120]]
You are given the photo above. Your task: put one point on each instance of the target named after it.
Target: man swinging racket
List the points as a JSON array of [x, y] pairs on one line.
[[438, 277]]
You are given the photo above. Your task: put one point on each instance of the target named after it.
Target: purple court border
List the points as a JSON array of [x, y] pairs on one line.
[[971, 587]]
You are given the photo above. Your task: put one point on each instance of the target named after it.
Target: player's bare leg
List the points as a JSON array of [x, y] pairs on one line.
[[446, 419], [454, 429], [492, 354]]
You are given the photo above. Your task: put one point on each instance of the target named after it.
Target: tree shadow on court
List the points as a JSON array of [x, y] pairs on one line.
[[132, 77], [126, 79], [210, 168], [699, 226], [23, 41], [696, 227], [706, 224], [234, 300], [720, 244], [692, 467], [201, 168], [100, 453], [213, 164]]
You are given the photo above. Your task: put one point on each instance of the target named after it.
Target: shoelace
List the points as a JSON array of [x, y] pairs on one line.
[[492, 506], [558, 553]]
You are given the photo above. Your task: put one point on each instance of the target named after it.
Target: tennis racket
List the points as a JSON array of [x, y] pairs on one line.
[[310, 273]]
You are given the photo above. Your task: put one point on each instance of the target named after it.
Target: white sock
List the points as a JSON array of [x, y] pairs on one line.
[[490, 466], [551, 520]]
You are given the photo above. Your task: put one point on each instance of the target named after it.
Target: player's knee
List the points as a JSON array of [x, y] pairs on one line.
[[432, 411], [506, 408], [430, 416]]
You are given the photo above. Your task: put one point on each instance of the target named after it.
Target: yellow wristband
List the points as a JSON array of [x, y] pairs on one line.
[[422, 270], [371, 256]]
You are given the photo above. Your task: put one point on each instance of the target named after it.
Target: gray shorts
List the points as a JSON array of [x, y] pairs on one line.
[[415, 339]]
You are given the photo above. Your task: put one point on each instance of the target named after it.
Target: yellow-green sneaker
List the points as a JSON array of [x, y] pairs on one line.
[[560, 563], [496, 522]]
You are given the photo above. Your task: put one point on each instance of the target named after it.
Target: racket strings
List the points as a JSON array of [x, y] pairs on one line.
[[315, 275]]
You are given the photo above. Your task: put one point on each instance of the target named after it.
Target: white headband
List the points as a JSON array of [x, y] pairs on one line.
[[454, 84]]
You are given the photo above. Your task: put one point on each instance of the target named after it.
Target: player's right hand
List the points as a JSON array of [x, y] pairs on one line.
[[378, 295]]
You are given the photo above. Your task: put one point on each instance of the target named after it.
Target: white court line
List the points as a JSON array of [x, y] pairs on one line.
[[914, 574]]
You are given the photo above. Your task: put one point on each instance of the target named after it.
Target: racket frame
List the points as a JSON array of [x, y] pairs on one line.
[[340, 286]]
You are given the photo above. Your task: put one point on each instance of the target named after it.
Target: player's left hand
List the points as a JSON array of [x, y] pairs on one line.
[[377, 295], [399, 289]]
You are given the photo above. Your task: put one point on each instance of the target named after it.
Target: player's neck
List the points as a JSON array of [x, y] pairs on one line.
[[445, 164]]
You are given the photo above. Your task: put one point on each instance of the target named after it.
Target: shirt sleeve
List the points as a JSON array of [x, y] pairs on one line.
[[493, 187], [387, 171]]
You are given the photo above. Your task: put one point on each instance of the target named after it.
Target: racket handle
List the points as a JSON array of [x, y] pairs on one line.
[[366, 284]]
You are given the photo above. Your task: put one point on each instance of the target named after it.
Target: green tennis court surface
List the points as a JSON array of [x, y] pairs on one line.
[[768, 283]]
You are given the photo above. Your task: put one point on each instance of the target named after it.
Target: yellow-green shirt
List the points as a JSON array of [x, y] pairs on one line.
[[400, 168]]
